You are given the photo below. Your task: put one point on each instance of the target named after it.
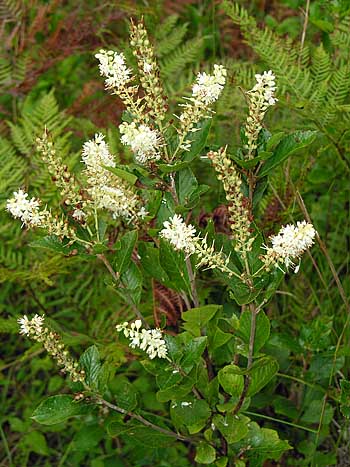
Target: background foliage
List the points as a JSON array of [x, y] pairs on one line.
[[48, 76]]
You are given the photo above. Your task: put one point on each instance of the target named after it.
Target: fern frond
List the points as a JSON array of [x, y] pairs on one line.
[[340, 39], [187, 53], [11, 10], [339, 88], [5, 72], [169, 43], [280, 57], [321, 65], [166, 27]]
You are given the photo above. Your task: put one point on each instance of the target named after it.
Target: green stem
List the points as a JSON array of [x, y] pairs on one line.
[[273, 419], [250, 359]]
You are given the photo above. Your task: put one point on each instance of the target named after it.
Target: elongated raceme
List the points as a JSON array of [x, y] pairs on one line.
[[36, 329]]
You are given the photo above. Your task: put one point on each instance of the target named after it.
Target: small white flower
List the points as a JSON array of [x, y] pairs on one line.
[[181, 236], [290, 243], [144, 142], [147, 67], [149, 340], [96, 153], [208, 88], [112, 66], [264, 89], [35, 325], [25, 209], [79, 215]]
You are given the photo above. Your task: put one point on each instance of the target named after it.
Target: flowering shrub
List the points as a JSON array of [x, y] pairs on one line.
[[208, 370]]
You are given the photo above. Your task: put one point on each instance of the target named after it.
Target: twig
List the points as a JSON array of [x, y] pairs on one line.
[[143, 421], [303, 35]]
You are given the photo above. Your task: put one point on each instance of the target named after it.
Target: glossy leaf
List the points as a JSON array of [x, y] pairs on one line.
[[57, 409]]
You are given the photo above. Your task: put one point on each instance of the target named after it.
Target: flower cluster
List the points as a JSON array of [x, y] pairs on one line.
[[208, 88], [21, 207], [183, 238], [149, 340], [143, 141], [31, 216], [119, 79], [112, 66], [205, 92], [106, 189], [238, 205], [289, 244], [35, 329], [61, 176], [148, 71], [261, 97]]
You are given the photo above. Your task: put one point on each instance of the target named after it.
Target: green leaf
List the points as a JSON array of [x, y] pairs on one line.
[[125, 247], [136, 432], [90, 361], [262, 371], [219, 339], [125, 393], [150, 261], [193, 413], [173, 262], [36, 442], [232, 427], [199, 139], [51, 242], [186, 184], [192, 353], [205, 454], [197, 318], [132, 280], [231, 380], [264, 444], [87, 438], [169, 168], [288, 146], [123, 174], [57, 409], [262, 331], [313, 412]]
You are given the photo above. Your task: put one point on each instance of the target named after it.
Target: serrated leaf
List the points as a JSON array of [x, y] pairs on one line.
[[150, 261], [193, 413], [262, 371], [186, 184], [90, 361], [286, 147], [192, 353], [125, 393], [197, 318], [199, 139], [57, 409], [174, 264], [125, 247], [231, 380], [232, 427], [264, 444]]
